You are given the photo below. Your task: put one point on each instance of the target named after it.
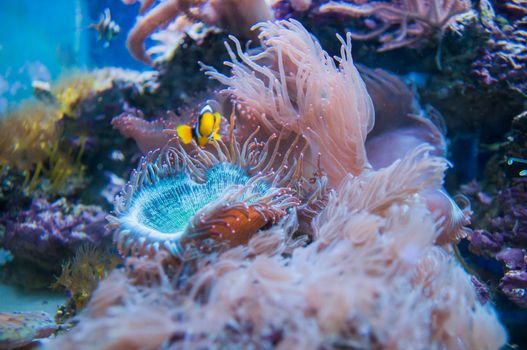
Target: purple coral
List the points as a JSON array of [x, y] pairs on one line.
[[506, 241], [512, 226], [504, 57], [514, 285], [47, 233]]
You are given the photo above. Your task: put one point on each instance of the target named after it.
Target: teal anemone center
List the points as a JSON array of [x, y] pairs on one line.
[[169, 205]]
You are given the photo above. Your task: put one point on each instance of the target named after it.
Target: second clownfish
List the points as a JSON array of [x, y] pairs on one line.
[[206, 128]]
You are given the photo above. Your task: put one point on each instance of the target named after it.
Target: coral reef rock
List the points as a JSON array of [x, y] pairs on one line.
[[22, 328]]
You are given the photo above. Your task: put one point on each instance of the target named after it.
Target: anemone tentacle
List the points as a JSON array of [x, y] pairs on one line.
[[190, 202]]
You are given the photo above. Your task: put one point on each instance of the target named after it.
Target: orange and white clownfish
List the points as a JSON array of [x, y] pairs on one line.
[[206, 128]]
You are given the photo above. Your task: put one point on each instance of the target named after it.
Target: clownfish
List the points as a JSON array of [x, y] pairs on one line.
[[206, 128]]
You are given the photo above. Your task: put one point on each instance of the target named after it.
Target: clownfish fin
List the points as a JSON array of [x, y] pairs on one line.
[[202, 141], [216, 130], [185, 133], [217, 121]]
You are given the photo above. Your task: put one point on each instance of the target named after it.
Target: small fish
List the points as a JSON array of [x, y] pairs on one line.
[[106, 28], [512, 160], [205, 129]]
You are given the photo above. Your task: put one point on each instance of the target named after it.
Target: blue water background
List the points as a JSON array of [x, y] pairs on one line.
[[44, 39]]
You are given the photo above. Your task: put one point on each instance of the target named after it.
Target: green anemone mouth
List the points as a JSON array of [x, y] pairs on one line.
[[168, 206]]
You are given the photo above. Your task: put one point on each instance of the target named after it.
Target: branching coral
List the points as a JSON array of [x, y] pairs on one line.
[[235, 16], [296, 85], [371, 278], [414, 20], [186, 204]]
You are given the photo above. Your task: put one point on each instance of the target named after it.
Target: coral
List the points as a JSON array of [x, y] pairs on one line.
[[404, 23], [500, 220], [48, 146], [47, 233], [28, 136], [172, 39], [32, 136], [235, 16], [81, 275], [294, 84], [71, 90], [18, 329], [191, 202], [74, 90], [502, 61], [285, 9], [505, 240], [371, 278], [300, 5]]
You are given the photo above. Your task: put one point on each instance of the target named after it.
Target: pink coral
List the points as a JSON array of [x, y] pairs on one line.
[[414, 20]]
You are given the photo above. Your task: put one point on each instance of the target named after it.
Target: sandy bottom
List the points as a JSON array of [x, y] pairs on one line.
[[14, 299]]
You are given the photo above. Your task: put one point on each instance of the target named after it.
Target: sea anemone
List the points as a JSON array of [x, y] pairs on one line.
[[198, 201], [148, 135], [294, 84], [371, 278]]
